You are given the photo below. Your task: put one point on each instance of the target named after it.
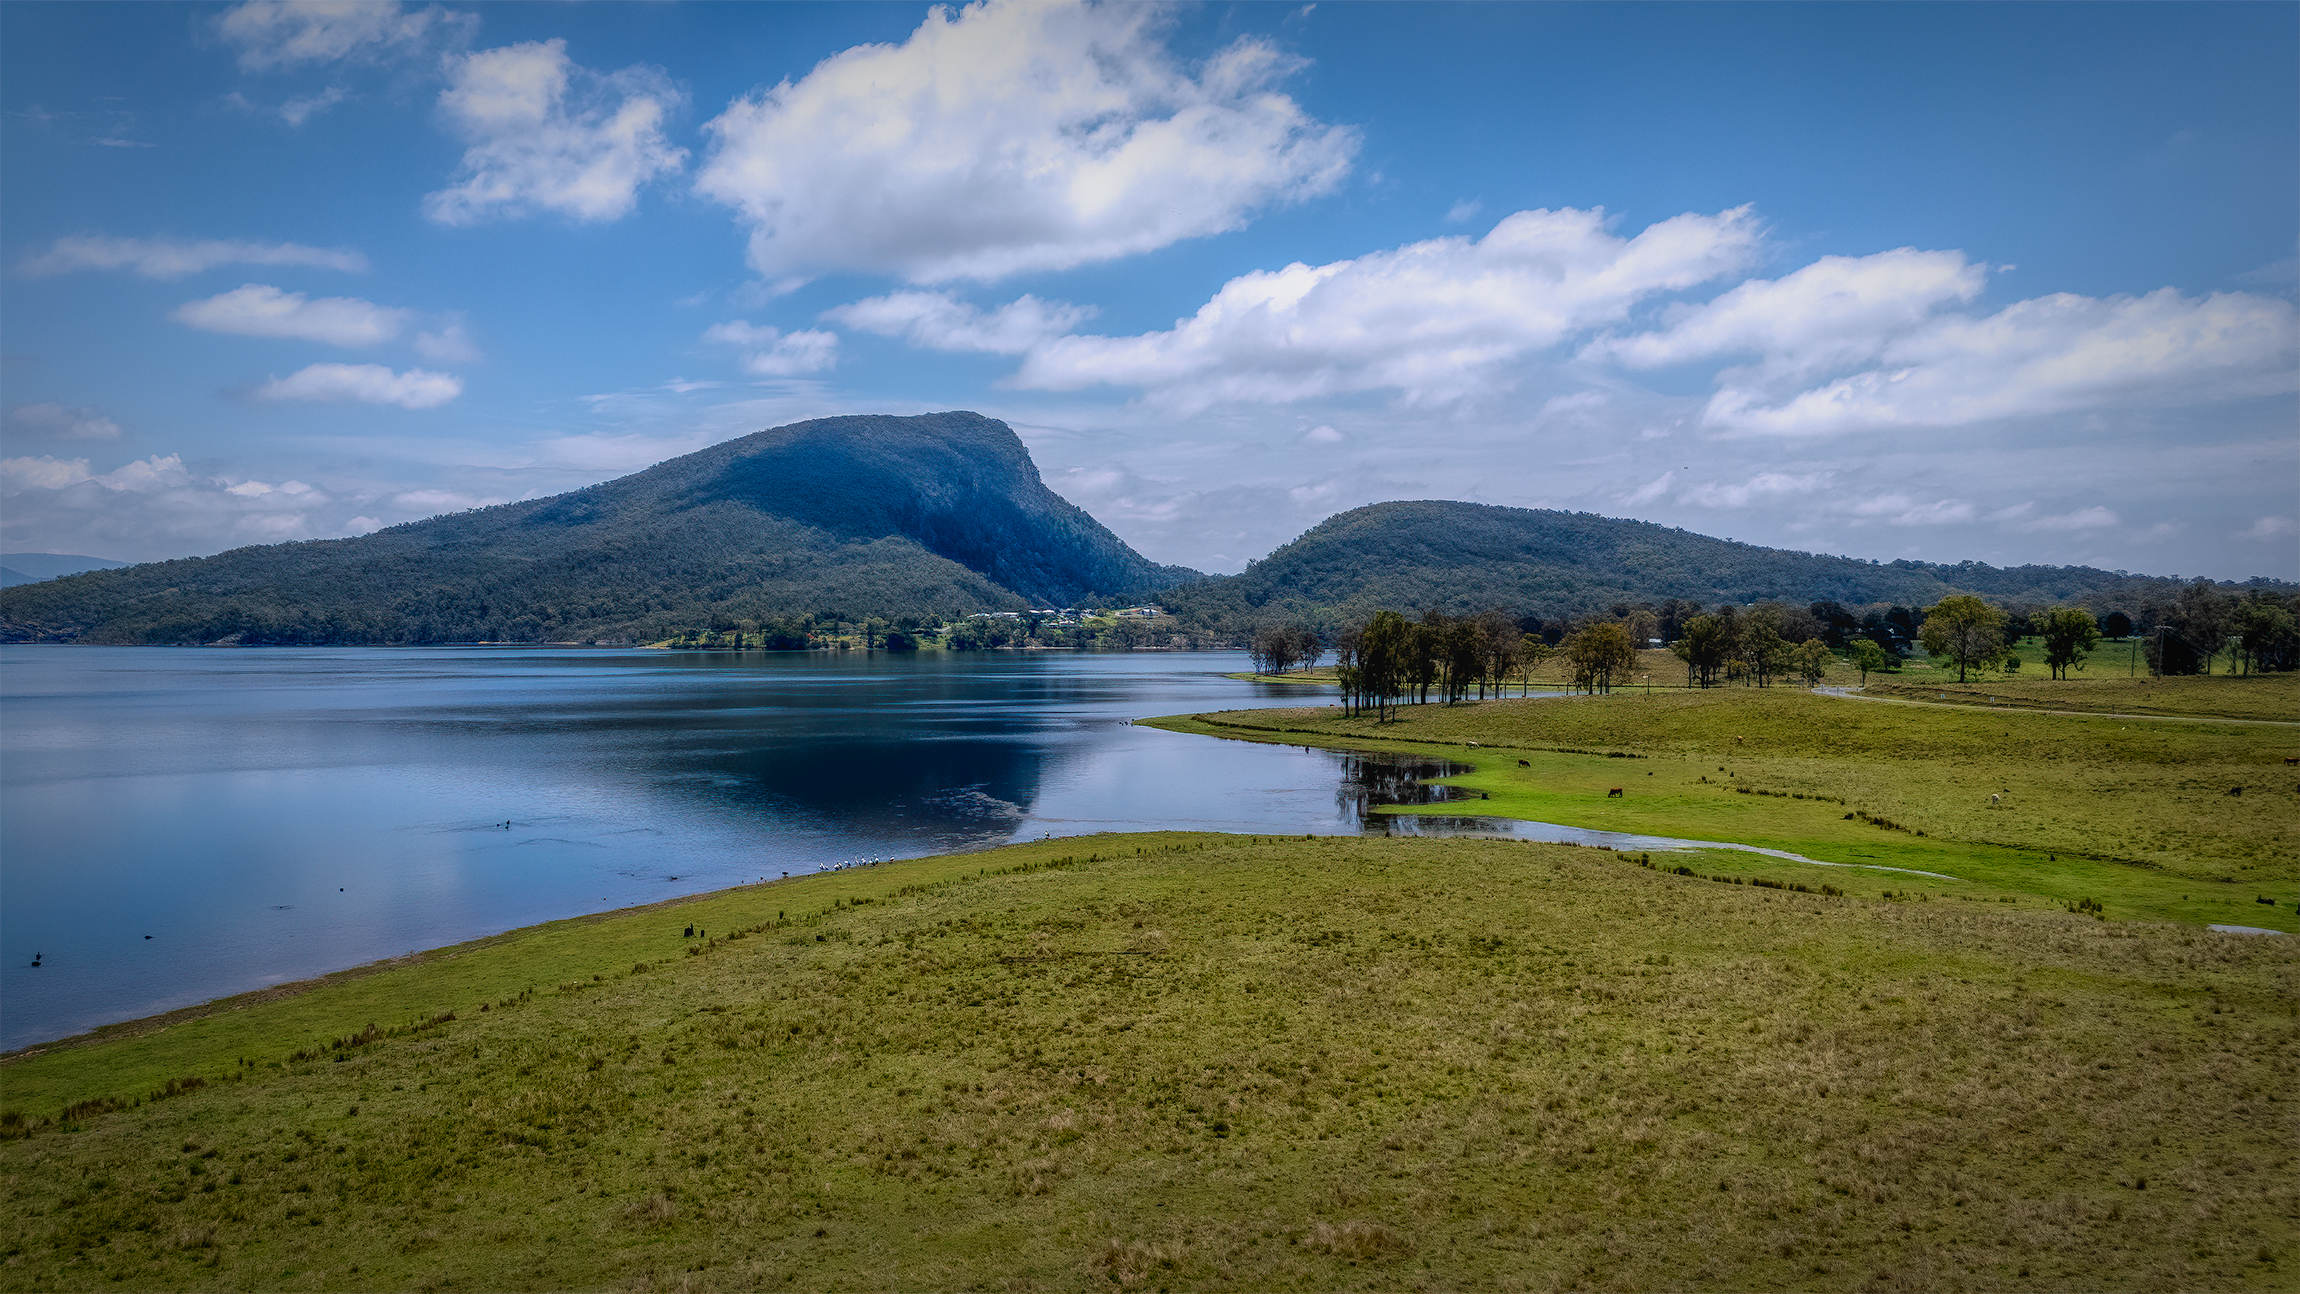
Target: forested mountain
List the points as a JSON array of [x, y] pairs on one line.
[[839, 517], [1468, 557]]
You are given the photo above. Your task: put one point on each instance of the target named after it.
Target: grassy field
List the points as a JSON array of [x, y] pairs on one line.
[[2134, 815], [2274, 697], [1169, 1062]]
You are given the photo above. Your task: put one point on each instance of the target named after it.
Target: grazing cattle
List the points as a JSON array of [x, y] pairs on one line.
[[1613, 794], [2236, 790], [2292, 759], [1525, 763], [1995, 800], [1740, 741]]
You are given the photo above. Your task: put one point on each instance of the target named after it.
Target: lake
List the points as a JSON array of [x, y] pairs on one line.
[[178, 825]]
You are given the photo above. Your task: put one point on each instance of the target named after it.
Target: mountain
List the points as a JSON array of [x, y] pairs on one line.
[[29, 568], [853, 516], [1466, 557]]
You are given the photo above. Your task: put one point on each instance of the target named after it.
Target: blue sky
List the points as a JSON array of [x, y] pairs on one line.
[[2013, 283]]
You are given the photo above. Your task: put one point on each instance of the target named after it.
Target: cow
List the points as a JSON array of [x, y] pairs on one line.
[[1740, 741], [1613, 794], [2236, 790], [1525, 763], [1995, 800]]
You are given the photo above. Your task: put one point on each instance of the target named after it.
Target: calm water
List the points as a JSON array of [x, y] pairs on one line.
[[267, 815]]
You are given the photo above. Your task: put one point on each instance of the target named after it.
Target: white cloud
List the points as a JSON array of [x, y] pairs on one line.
[[1323, 435], [1012, 136], [545, 133], [1431, 320], [1463, 211], [1871, 342], [1759, 488], [49, 420], [1838, 310], [253, 489], [1651, 490], [449, 344], [279, 33], [939, 321], [168, 258], [771, 352], [2267, 528], [258, 310], [366, 383], [2083, 519], [18, 475], [302, 108]]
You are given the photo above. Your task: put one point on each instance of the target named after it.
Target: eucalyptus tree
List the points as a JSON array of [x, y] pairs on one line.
[[1867, 655], [1964, 629], [1705, 643], [2068, 633], [1385, 660], [1598, 652]]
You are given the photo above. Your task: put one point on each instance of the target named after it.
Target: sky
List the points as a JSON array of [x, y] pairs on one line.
[[2005, 283]]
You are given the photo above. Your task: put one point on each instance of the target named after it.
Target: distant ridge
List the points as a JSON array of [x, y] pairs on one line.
[[30, 568], [938, 515], [1465, 557], [853, 516]]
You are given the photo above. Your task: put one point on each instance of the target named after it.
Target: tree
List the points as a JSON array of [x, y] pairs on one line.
[[1811, 659], [1868, 656], [2116, 624], [2263, 629], [2068, 633], [1499, 639], [1966, 630], [1385, 660], [1308, 646], [1597, 653], [1704, 645]]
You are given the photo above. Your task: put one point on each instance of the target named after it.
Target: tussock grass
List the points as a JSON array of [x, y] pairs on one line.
[[1197, 1062], [2136, 814]]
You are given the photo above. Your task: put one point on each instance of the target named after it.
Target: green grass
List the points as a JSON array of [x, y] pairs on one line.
[[1180, 1062], [2135, 815], [2273, 697]]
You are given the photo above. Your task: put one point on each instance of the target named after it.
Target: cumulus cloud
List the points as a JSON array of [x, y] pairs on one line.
[[150, 508], [770, 352], [547, 134], [49, 420], [18, 475], [283, 33], [1838, 310], [169, 258], [1431, 320], [940, 321], [1872, 342], [1012, 136], [2267, 528], [365, 383], [258, 310]]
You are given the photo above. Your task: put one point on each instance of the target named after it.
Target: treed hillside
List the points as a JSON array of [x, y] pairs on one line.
[[854, 516], [1468, 557]]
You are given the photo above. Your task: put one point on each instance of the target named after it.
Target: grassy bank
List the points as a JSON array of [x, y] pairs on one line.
[[2134, 815], [1188, 1062], [2274, 697]]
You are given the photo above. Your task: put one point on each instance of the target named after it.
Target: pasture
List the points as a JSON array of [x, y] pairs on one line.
[[1195, 1062], [2133, 814]]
